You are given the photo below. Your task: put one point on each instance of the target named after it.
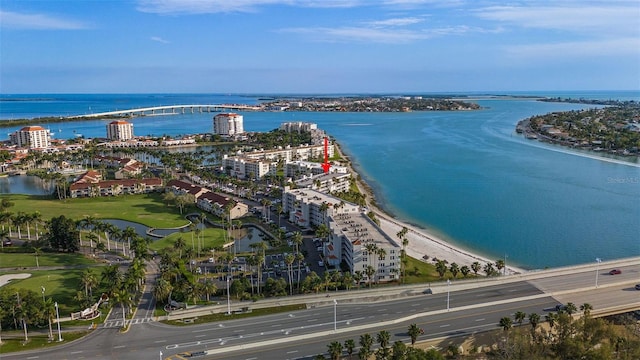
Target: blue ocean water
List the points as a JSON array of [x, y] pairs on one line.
[[463, 175]]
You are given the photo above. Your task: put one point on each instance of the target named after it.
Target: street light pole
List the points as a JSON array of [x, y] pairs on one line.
[[228, 298], [598, 261], [58, 321], [335, 315], [42, 294], [448, 286]]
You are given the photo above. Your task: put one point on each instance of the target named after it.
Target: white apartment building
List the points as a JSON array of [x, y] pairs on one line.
[[308, 207], [326, 183], [246, 168], [305, 169], [358, 242], [303, 152], [120, 130], [228, 124], [298, 126], [32, 137]]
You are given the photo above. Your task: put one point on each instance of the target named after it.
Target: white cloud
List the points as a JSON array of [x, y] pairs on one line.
[[577, 49], [159, 39], [379, 35], [14, 20], [569, 16], [396, 22], [174, 7]]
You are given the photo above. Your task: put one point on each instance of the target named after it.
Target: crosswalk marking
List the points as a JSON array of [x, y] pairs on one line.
[[118, 323]]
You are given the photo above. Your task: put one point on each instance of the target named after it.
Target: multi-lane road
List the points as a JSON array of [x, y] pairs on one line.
[[450, 311]]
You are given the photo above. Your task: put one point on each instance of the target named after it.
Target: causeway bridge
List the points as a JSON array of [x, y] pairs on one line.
[[171, 110]]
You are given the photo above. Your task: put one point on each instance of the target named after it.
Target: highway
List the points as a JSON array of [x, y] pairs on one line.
[[473, 307]]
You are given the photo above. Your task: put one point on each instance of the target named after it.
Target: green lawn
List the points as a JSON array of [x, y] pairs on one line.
[[36, 342], [213, 238], [20, 260], [148, 209], [61, 285]]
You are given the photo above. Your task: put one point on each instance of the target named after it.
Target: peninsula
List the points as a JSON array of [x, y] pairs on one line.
[[612, 129]]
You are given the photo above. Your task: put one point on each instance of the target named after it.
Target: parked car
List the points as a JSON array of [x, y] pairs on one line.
[[615, 272], [637, 286], [7, 242]]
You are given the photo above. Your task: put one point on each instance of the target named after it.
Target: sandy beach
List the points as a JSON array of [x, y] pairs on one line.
[[421, 242]]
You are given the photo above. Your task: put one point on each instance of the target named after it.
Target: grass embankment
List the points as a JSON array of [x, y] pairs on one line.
[[235, 316], [16, 343], [147, 209]]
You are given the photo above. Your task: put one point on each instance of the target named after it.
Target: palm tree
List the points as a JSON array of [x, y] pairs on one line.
[[289, 259], [488, 269], [36, 251], [534, 320], [441, 268], [499, 265], [36, 217], [414, 331], [454, 269], [519, 316], [370, 272], [552, 319], [179, 245], [162, 289], [465, 270], [88, 280], [366, 341], [49, 309], [476, 267], [349, 345], [586, 309], [505, 323], [383, 338], [123, 297], [335, 350], [209, 288], [570, 308]]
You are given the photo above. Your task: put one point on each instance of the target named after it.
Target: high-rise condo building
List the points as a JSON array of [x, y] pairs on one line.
[[120, 130], [228, 124], [32, 137]]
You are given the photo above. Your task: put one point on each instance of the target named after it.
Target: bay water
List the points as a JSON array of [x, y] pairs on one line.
[[465, 176]]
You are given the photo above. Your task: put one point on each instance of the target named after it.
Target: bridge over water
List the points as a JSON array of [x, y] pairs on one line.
[[171, 109]]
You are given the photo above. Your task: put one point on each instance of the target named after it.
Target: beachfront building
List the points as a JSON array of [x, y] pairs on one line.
[[305, 169], [331, 182], [228, 124], [119, 130], [31, 137], [358, 242], [309, 208], [288, 153], [246, 168]]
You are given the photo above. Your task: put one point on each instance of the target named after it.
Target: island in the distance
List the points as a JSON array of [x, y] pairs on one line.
[[613, 129], [368, 104]]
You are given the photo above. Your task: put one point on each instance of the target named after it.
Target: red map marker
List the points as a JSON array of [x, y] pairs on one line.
[[325, 164]]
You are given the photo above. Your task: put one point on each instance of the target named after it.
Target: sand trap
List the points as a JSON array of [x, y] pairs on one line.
[[4, 279]]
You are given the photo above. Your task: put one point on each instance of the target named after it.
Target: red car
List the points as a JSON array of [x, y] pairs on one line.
[[615, 272]]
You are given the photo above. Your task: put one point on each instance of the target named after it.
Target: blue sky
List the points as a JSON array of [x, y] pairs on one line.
[[317, 46]]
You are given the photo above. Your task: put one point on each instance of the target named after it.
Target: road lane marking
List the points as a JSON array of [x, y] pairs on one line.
[[119, 347], [292, 352], [75, 352], [239, 330], [199, 336], [33, 357], [479, 320], [160, 341], [445, 325]]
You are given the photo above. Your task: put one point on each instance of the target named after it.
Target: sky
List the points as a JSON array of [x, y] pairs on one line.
[[317, 46]]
